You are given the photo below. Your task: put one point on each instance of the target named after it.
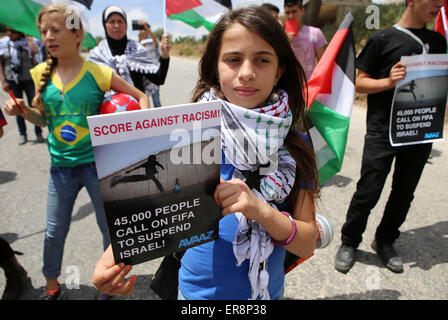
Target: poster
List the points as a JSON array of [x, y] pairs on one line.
[[419, 103], [158, 170]]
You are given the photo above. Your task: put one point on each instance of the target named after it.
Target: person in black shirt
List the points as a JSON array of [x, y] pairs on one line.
[[379, 70], [127, 57]]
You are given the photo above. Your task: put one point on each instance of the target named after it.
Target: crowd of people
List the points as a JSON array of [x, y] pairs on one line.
[[256, 66]]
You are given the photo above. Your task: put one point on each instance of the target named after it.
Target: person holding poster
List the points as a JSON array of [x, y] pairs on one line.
[[68, 90], [268, 185], [379, 70], [308, 42]]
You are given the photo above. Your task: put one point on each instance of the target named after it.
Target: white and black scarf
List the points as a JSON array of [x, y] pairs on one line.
[[135, 58], [252, 141]]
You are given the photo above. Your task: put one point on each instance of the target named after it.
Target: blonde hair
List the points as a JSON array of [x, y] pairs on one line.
[[65, 11]]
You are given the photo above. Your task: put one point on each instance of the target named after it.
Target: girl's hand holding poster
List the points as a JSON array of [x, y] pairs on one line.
[[158, 170]]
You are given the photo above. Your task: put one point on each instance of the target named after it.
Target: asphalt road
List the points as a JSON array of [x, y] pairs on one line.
[[423, 243]]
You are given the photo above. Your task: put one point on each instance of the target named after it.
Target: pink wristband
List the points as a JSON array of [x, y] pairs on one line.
[[293, 233]]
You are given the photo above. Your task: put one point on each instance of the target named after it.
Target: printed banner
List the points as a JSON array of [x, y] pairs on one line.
[[419, 104], [158, 170]]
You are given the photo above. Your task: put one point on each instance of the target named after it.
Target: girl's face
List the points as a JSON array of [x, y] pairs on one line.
[[116, 26], [59, 41], [248, 67]]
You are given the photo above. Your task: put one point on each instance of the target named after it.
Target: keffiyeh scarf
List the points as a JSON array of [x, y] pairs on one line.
[[252, 141], [135, 58]]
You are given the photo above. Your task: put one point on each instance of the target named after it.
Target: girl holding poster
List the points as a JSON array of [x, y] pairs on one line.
[[268, 167], [68, 90]]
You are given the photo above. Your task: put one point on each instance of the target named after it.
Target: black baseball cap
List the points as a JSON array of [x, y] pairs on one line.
[[289, 3]]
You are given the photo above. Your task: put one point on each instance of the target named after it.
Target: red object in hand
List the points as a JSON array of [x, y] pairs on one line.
[[292, 25], [3, 121], [17, 104], [119, 102]]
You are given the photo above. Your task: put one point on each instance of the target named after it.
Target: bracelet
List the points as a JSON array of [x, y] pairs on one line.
[[293, 233]]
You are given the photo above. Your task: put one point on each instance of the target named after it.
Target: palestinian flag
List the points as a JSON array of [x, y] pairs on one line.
[[441, 25], [198, 12], [21, 15], [87, 3], [178, 6], [331, 93]]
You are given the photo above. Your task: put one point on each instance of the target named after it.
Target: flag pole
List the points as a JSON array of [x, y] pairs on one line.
[[164, 16], [444, 21]]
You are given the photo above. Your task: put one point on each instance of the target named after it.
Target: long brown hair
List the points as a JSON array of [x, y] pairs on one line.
[[63, 10], [262, 23]]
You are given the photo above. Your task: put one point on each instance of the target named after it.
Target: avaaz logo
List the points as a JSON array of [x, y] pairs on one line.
[[196, 239]]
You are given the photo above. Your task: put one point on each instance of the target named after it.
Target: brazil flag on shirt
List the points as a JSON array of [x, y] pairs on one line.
[[67, 107]]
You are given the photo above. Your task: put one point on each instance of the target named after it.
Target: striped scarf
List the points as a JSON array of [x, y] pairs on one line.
[[135, 58], [252, 141]]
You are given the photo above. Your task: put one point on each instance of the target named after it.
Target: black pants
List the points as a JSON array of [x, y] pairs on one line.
[[377, 160], [6, 251], [18, 89]]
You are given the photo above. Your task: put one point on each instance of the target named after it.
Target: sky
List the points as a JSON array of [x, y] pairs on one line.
[[113, 157], [151, 11]]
